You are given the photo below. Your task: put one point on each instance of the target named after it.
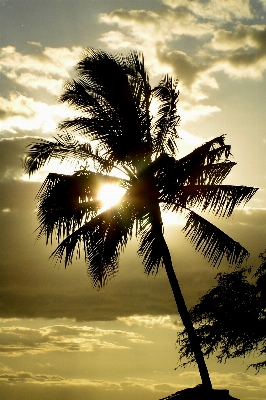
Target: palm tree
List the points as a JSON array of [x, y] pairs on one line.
[[114, 130]]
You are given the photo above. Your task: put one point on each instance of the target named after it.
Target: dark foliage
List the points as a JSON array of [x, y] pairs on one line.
[[231, 318]]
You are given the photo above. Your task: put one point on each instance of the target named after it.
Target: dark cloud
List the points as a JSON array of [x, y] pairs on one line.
[[11, 154], [184, 67], [7, 86]]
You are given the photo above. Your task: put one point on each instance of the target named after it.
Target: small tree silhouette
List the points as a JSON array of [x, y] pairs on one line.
[[113, 96], [231, 318]]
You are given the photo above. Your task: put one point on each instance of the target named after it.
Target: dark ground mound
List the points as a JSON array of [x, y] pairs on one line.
[[200, 393]]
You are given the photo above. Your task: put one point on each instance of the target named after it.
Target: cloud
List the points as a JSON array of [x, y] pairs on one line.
[[241, 381], [126, 385], [157, 26], [45, 64], [214, 9], [150, 321], [20, 113], [193, 40], [28, 377], [152, 32], [149, 30], [24, 113], [193, 112], [241, 384], [31, 83], [240, 53], [16, 341]]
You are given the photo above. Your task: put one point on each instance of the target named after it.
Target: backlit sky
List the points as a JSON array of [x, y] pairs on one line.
[[59, 338]]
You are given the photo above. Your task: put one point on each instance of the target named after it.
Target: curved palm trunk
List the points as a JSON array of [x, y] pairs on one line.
[[184, 314]]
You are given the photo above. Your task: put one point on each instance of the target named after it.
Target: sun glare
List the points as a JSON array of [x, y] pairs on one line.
[[109, 195]]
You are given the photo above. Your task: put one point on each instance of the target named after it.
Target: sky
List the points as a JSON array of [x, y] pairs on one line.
[[59, 337]]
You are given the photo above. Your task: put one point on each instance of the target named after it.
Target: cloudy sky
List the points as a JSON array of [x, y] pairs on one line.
[[59, 338]]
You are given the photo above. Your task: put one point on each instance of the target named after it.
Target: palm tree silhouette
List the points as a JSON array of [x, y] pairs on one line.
[[114, 130]]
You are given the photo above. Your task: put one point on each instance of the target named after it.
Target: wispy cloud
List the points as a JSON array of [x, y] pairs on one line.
[[16, 341], [28, 377], [214, 9]]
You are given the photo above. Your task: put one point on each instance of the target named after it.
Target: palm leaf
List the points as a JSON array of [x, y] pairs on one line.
[[68, 201], [138, 81], [164, 127], [210, 152], [103, 238], [210, 174], [63, 147], [151, 247], [113, 99], [201, 167], [213, 243], [76, 94], [141, 91], [220, 199], [171, 178]]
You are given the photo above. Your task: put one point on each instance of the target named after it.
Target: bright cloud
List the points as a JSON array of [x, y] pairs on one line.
[[192, 112], [16, 341], [44, 69], [23, 113], [150, 321], [49, 63]]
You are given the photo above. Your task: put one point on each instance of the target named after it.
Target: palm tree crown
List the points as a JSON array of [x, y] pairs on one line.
[[114, 130]]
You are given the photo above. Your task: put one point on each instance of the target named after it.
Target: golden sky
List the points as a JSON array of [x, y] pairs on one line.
[[59, 338]]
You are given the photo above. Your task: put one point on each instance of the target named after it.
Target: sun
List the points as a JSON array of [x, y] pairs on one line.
[[109, 195]]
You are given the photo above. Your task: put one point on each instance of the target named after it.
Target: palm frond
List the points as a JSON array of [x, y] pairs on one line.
[[164, 127], [141, 90], [210, 174], [211, 152], [103, 238], [221, 200], [138, 81], [114, 102], [76, 94], [213, 243], [68, 201], [63, 147], [198, 168], [151, 247]]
